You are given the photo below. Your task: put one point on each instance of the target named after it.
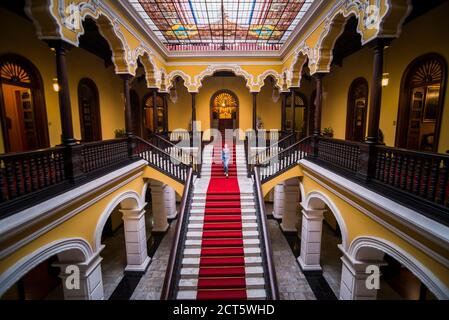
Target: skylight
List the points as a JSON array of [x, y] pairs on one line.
[[189, 25]]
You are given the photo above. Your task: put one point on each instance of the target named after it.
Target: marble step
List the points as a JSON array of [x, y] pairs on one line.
[[188, 273], [195, 262], [198, 235], [247, 243], [245, 218], [243, 204], [196, 252], [251, 283], [197, 198], [247, 226], [252, 294]]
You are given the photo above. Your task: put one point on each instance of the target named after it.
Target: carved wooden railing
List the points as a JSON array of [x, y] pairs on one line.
[[173, 270], [185, 155], [271, 150], [103, 154], [161, 160], [27, 172], [342, 153], [285, 159], [421, 174], [266, 251]]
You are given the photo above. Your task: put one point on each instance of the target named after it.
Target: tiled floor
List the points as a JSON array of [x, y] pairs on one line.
[[330, 258], [291, 281], [150, 285], [114, 262]]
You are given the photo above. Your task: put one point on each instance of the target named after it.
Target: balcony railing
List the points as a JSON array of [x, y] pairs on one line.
[[161, 160], [342, 153], [102, 154], [422, 174], [28, 172], [28, 178]]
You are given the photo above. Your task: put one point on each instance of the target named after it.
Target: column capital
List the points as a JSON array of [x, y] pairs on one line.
[[313, 213], [126, 76], [60, 45], [133, 214]]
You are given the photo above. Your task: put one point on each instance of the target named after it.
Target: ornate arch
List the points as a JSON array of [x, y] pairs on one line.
[[236, 69], [178, 73], [80, 248], [425, 275], [149, 65], [127, 200], [278, 81], [316, 200]]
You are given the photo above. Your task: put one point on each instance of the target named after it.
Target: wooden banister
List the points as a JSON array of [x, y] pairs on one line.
[[270, 273], [178, 242]]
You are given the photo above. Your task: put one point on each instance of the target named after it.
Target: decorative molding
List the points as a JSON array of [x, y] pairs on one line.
[[426, 276], [315, 194], [126, 195], [17, 223], [27, 263], [387, 208]]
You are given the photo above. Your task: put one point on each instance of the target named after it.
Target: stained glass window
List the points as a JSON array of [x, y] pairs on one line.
[[222, 24]]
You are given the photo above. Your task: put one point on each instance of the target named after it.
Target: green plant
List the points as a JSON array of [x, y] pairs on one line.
[[328, 132], [119, 133]]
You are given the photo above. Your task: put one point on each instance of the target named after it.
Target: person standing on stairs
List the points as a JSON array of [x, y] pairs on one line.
[[225, 159]]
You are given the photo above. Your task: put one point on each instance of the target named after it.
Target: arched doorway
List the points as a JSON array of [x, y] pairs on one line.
[[357, 110], [311, 114], [224, 110], [148, 113], [89, 110], [300, 113], [137, 112], [22, 105], [421, 103]]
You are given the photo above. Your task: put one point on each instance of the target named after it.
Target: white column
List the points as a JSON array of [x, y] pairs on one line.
[[170, 201], [159, 210], [278, 201], [291, 200], [312, 226], [135, 240], [354, 275], [81, 281]]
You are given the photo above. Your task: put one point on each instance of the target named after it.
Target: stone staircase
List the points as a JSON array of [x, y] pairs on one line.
[[223, 274]]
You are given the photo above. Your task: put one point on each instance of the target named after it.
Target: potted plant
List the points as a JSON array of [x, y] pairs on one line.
[[328, 132], [119, 133]]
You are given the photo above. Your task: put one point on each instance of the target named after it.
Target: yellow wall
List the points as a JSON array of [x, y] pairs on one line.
[[180, 112], [425, 34], [268, 110], [80, 63]]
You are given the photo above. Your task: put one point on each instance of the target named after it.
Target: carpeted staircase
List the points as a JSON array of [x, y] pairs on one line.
[[222, 256]]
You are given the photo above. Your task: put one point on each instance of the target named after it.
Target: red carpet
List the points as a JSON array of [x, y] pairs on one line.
[[222, 262]]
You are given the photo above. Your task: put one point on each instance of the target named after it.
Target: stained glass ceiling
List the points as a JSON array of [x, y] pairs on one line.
[[183, 25]]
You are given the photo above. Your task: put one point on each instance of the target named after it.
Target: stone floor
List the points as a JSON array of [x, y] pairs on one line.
[[150, 285], [291, 281], [114, 261], [330, 258]]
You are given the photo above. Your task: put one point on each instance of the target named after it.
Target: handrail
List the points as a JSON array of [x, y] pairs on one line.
[[269, 264], [177, 172], [286, 150], [255, 158], [176, 249]]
